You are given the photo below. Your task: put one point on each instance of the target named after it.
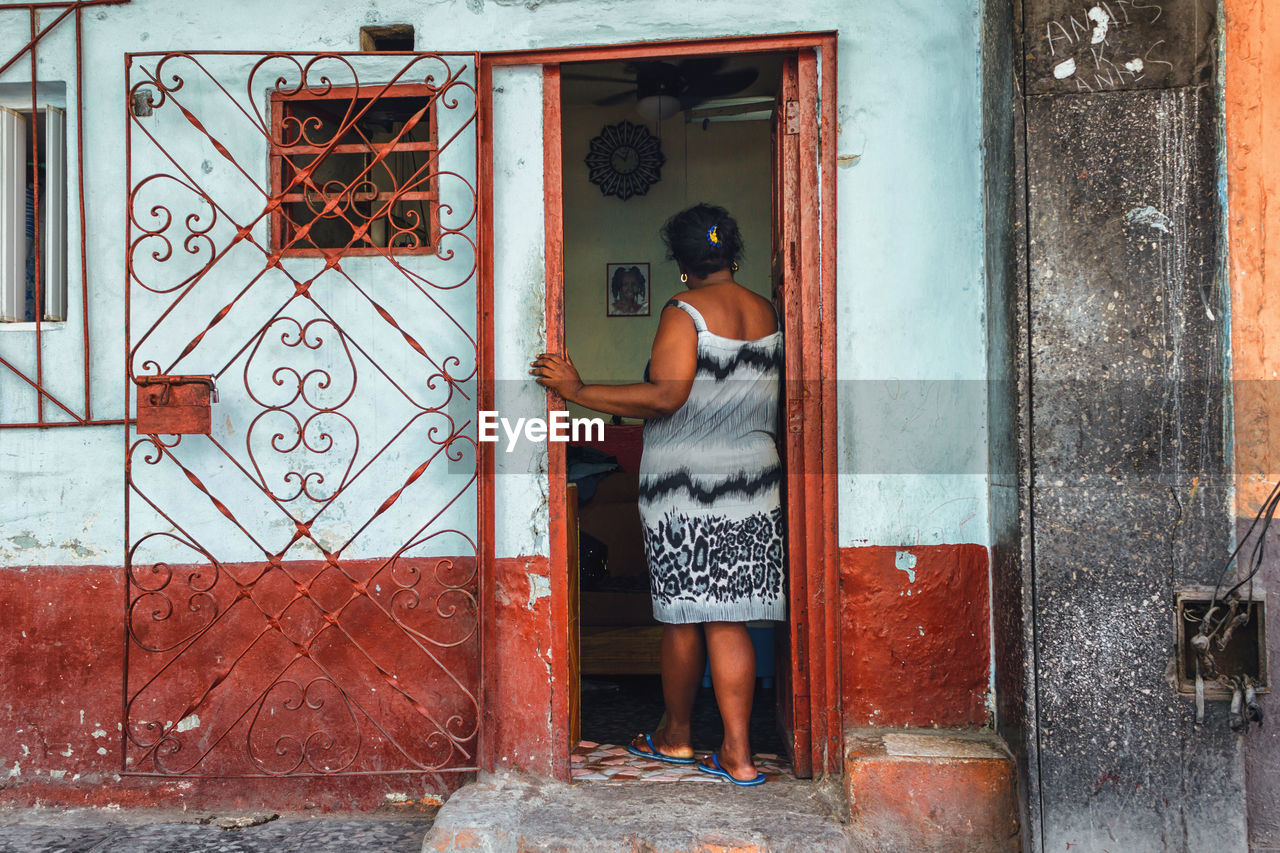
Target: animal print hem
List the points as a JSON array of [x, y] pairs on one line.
[[727, 565]]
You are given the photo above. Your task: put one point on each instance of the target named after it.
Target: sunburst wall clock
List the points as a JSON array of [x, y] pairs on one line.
[[625, 160]]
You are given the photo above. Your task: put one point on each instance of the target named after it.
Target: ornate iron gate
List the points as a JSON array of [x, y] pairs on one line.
[[301, 542]]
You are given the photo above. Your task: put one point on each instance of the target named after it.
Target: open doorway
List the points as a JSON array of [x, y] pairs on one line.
[[629, 161]]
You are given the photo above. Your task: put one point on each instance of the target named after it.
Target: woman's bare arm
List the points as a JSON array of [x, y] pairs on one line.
[[672, 366]]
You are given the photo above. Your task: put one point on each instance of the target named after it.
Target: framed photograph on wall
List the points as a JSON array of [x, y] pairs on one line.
[[626, 290]]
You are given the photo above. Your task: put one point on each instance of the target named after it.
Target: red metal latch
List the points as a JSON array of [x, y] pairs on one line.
[[175, 405]]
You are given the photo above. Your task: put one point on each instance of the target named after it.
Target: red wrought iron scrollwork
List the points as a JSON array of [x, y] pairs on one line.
[[302, 582]]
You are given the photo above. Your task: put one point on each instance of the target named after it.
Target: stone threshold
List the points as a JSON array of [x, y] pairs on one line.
[[909, 790], [506, 813]]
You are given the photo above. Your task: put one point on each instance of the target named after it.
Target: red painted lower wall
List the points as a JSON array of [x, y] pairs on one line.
[[914, 651], [915, 644], [61, 680], [522, 730]]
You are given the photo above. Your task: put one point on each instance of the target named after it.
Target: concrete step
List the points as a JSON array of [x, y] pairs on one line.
[[904, 791], [504, 814], [931, 791]]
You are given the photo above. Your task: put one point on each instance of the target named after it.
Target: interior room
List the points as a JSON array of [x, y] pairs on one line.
[[643, 140]]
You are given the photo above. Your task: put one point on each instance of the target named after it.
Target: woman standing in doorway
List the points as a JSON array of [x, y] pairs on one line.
[[710, 483]]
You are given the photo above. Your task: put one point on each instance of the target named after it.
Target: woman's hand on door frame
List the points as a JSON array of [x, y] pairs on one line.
[[557, 373]]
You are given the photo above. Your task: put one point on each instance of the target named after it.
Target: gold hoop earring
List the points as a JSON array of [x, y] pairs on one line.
[[733, 267], [684, 278]]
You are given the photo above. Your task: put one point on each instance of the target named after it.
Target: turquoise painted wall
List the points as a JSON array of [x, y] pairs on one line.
[[910, 303]]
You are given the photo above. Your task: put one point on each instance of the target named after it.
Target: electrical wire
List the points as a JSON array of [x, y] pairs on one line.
[[1265, 514]]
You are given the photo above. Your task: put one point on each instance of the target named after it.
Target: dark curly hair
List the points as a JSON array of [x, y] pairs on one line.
[[620, 277], [688, 236]]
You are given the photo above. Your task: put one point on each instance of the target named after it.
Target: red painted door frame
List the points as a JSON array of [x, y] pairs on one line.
[[813, 558]]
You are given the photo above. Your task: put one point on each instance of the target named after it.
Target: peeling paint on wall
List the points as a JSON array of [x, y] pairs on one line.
[[539, 587], [25, 540], [905, 561]]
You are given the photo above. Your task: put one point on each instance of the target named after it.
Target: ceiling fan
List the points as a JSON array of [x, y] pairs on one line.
[[662, 89]]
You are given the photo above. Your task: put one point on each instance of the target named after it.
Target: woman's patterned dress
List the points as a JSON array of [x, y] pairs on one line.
[[710, 487]]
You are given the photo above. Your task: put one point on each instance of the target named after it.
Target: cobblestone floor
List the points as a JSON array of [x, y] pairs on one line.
[[93, 831]]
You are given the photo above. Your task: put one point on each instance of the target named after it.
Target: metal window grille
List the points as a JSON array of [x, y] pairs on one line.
[[373, 188], [44, 280]]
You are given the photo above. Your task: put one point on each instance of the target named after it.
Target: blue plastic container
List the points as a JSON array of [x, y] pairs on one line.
[[762, 641]]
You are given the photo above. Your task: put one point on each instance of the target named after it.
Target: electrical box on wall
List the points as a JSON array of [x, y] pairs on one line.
[[1236, 647]]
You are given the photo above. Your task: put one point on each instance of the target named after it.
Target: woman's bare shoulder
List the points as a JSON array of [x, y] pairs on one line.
[[734, 310], [759, 300], [753, 304]]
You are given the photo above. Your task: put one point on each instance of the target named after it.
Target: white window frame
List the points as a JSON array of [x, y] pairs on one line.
[[15, 136]]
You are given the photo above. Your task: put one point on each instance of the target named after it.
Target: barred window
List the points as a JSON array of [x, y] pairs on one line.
[[354, 169]]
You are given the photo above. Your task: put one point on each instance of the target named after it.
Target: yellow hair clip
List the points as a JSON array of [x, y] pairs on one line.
[[712, 237]]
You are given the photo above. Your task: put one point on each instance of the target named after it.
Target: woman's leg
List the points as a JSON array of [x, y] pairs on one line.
[[733, 673], [683, 662]]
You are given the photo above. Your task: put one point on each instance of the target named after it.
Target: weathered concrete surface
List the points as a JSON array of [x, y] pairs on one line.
[[1127, 354], [916, 649], [502, 813], [163, 831], [931, 790], [1075, 46]]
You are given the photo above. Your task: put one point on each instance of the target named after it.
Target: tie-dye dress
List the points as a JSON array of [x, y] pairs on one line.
[[710, 483]]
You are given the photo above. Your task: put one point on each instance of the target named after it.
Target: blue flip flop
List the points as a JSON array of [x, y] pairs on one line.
[[724, 774], [669, 759]]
